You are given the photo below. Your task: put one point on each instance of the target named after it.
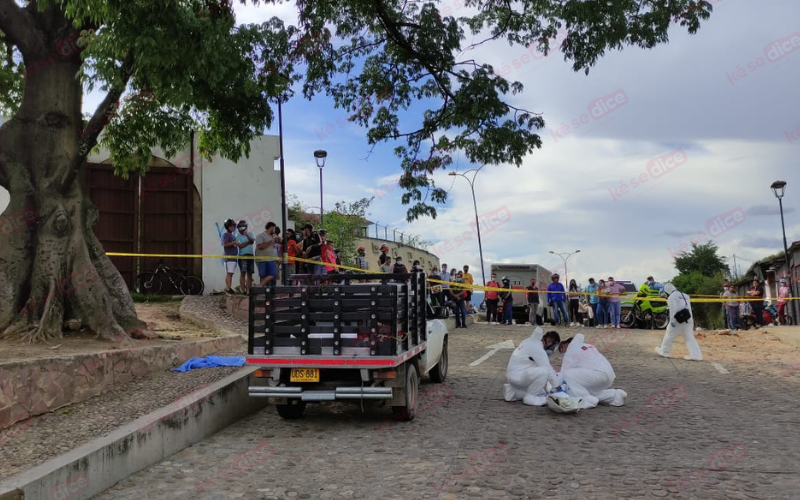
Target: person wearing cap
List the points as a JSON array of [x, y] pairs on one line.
[[614, 291], [557, 299], [588, 374], [384, 261], [231, 248], [361, 258], [784, 292], [679, 304], [529, 368]]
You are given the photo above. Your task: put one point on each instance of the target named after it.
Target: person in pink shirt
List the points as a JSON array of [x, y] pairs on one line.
[[783, 293], [615, 291]]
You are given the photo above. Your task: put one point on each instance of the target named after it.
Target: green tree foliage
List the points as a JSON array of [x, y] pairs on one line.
[[702, 272], [380, 60], [344, 226], [376, 59], [703, 259]]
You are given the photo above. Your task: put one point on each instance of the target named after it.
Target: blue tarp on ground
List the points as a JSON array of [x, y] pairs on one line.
[[210, 362]]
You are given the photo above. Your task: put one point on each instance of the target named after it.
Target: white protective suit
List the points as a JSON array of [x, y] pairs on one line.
[[588, 375], [676, 302], [526, 378]]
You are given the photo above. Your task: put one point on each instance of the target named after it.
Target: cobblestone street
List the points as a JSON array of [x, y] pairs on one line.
[[475, 445]]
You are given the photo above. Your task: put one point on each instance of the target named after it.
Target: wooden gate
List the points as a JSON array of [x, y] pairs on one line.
[[116, 200], [159, 221]]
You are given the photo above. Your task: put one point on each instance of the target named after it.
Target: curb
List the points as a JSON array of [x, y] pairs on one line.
[[83, 376], [100, 464]]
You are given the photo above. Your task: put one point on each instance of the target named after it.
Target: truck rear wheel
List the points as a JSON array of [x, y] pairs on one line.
[[439, 372], [409, 411], [292, 410]]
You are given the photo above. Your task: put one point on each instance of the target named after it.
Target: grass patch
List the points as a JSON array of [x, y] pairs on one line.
[[152, 297]]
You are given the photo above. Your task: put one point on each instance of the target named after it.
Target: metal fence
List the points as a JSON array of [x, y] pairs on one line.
[[390, 234]]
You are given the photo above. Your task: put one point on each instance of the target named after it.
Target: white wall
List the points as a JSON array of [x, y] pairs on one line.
[[249, 190]]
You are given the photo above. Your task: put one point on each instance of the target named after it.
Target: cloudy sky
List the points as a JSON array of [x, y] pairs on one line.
[[701, 130], [737, 135]]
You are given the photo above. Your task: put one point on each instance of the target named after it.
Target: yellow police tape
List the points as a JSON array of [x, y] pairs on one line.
[[430, 280]]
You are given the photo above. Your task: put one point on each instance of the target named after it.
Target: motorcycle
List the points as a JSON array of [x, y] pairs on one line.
[[645, 313]]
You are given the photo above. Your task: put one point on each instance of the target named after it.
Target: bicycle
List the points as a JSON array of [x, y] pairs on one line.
[[153, 281]]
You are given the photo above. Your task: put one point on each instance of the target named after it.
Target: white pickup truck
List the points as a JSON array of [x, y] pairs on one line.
[[368, 337]]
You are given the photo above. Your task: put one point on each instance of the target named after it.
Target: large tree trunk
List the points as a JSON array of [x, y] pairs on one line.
[[52, 267]]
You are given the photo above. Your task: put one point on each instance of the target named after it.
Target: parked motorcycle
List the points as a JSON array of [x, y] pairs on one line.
[[645, 314]]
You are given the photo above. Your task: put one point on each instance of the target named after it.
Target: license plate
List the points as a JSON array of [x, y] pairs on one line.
[[304, 375]]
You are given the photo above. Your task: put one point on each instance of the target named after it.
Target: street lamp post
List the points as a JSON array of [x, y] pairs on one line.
[[477, 222], [565, 259], [779, 187], [284, 247], [319, 157]]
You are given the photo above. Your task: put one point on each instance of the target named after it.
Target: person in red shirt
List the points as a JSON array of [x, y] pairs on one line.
[[492, 300], [291, 249]]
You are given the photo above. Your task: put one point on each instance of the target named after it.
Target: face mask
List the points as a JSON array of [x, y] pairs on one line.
[[610, 282]]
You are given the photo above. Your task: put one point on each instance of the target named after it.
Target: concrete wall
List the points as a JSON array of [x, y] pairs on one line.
[[39, 386], [409, 254], [249, 189]]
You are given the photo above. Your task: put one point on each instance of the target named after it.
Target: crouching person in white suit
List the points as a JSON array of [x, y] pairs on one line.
[[529, 369], [588, 374]]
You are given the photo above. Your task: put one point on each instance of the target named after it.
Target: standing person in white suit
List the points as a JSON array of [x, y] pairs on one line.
[[680, 323], [588, 374], [529, 369]]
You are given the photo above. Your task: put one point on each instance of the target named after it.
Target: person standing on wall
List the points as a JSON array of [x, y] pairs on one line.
[[231, 248]]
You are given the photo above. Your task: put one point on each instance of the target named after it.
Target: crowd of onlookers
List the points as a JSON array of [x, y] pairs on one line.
[[459, 297], [743, 314]]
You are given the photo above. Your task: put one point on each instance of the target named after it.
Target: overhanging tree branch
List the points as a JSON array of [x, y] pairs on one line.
[[18, 25], [99, 120]]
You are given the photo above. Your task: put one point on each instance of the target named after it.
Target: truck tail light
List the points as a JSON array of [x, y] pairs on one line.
[[384, 374], [263, 373]]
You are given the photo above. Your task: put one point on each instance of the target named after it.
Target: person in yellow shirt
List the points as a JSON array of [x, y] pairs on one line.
[[468, 281]]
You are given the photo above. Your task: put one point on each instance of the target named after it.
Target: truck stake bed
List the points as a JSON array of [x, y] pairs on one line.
[[365, 337]]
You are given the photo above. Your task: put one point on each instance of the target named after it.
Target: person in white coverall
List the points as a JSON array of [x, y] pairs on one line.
[[676, 301], [588, 374], [529, 369]]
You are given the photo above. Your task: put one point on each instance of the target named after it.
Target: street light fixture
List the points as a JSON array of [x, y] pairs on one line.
[[475, 204], [319, 156], [565, 259], [779, 188]]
